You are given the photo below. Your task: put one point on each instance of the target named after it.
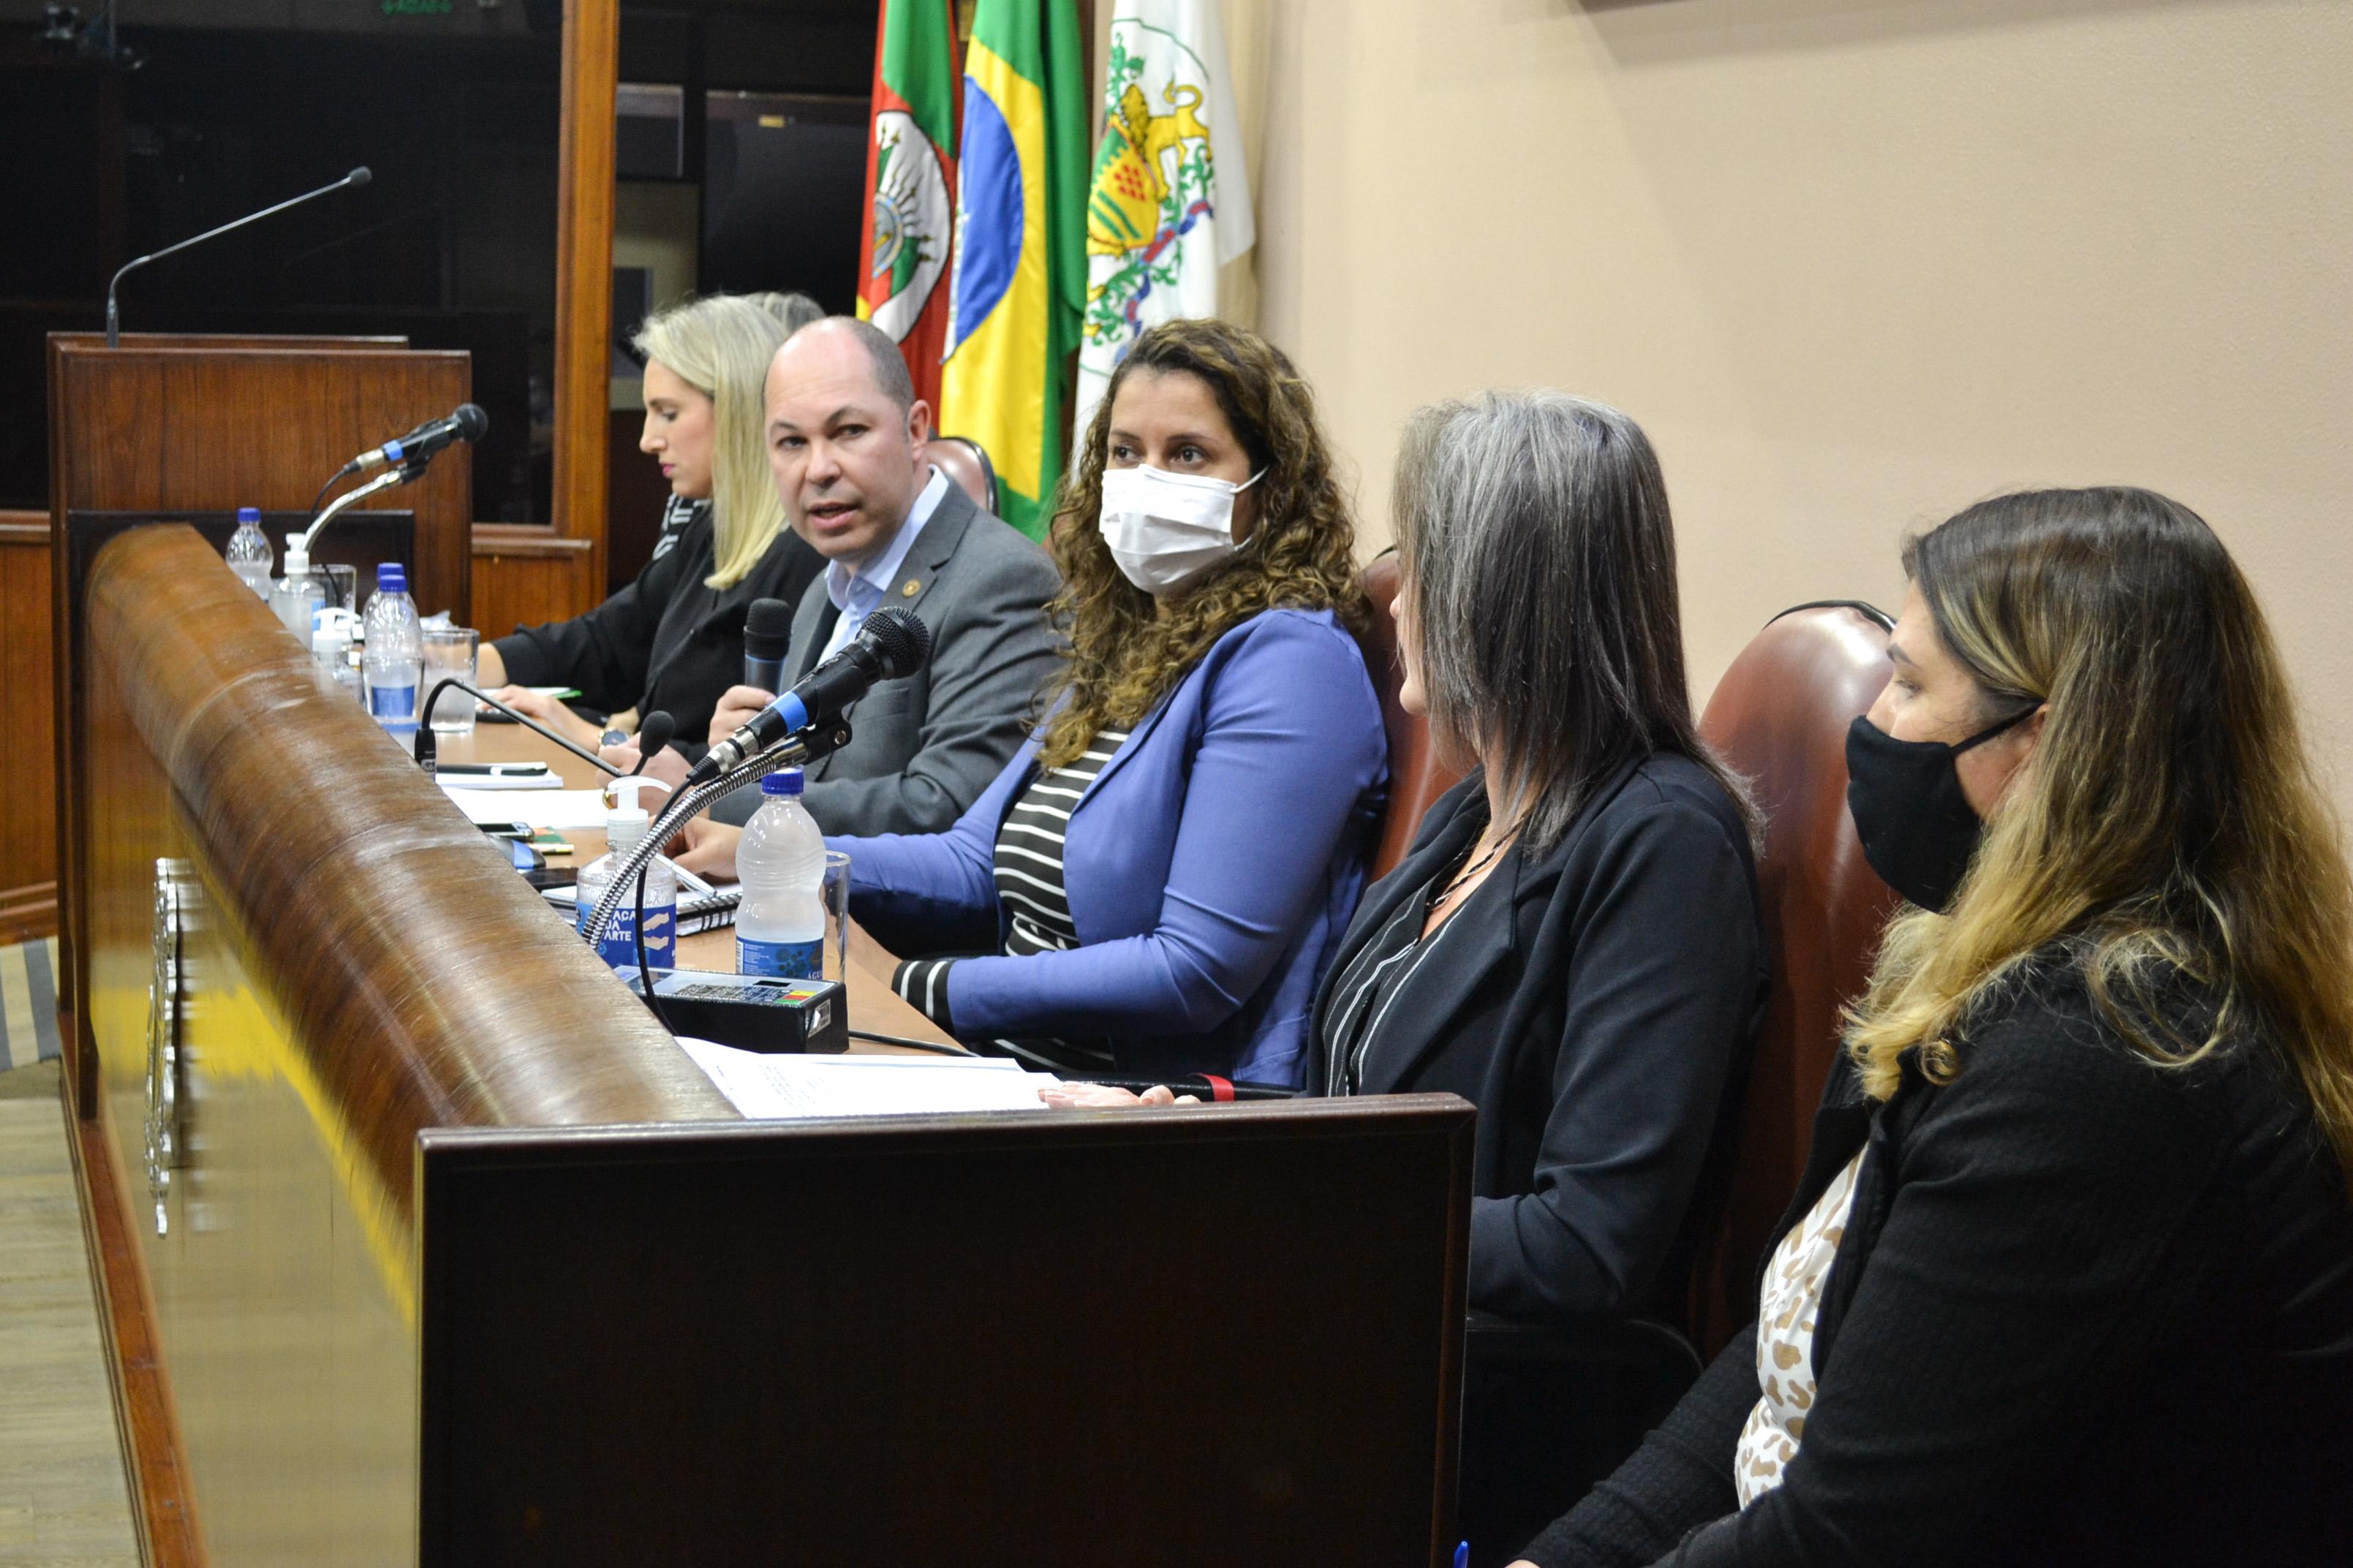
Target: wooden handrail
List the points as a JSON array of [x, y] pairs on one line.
[[424, 985]]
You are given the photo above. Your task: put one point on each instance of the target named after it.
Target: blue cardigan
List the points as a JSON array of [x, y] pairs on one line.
[[1211, 866]]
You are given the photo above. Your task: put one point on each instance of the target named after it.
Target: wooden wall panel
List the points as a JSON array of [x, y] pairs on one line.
[[523, 576], [584, 273], [29, 845]]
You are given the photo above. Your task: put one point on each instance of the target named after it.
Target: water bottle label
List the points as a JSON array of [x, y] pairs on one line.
[[619, 946], [394, 706], [781, 959]]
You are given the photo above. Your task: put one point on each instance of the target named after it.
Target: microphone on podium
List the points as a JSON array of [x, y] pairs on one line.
[[466, 422], [889, 644], [768, 633], [359, 176]]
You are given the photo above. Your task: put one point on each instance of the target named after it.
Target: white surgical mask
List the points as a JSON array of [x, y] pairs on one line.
[[1164, 529]]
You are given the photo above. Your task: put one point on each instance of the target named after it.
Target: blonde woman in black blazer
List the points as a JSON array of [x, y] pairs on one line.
[[2070, 1276], [1574, 943]]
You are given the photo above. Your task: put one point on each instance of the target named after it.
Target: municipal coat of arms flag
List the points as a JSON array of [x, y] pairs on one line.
[[1170, 199]]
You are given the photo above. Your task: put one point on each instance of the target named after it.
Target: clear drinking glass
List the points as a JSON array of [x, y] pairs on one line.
[[450, 651], [342, 586], [836, 957]]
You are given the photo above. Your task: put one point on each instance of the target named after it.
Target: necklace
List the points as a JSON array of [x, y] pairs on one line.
[[1503, 841]]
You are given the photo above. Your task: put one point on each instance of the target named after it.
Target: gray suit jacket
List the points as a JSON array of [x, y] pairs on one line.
[[925, 747]]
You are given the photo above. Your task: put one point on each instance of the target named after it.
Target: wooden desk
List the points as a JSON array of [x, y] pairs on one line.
[[873, 1005], [423, 1246]]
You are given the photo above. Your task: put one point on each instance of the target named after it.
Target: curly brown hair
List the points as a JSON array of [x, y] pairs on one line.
[[1125, 655]]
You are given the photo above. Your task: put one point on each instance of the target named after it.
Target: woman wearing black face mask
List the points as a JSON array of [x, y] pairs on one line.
[[2070, 1275], [1916, 814]]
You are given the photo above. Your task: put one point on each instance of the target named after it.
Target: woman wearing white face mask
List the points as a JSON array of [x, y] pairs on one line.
[[1153, 886]]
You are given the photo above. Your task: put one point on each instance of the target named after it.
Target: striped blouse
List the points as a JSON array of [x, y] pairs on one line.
[[1028, 871]]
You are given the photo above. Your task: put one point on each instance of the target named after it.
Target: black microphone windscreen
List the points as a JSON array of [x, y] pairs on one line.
[[360, 176], [767, 629], [654, 733], [899, 639], [471, 422]]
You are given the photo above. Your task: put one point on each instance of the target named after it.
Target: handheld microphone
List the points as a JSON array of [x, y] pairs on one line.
[[467, 423], [768, 633], [359, 176], [891, 643], [654, 732]]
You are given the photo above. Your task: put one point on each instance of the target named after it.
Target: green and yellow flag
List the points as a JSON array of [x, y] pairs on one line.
[[1021, 270]]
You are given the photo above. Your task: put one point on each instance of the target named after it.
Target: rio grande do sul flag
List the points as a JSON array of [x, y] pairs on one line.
[[1170, 201], [902, 251], [1020, 262]]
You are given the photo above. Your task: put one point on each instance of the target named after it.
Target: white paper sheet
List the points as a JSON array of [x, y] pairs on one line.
[[489, 782], [767, 1088], [555, 809]]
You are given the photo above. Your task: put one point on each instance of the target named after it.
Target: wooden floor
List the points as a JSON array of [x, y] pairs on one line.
[[62, 1499]]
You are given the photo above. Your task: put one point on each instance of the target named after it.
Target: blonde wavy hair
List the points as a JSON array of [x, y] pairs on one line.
[[2169, 826], [721, 346], [1123, 656]]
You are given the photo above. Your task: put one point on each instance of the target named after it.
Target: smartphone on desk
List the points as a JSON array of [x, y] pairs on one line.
[[536, 872]]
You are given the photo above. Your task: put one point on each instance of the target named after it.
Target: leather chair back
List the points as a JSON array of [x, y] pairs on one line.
[[961, 459], [1417, 776], [1779, 718]]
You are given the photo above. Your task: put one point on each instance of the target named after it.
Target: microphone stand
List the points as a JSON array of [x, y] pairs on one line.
[[391, 478], [359, 176], [801, 746]]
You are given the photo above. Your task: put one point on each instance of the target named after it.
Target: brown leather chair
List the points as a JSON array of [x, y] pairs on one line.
[[1779, 717], [961, 459], [1417, 776]]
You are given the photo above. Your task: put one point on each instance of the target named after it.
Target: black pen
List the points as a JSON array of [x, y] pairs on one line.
[[1201, 1086], [493, 770]]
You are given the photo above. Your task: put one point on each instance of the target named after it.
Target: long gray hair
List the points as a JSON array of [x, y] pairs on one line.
[[1539, 561]]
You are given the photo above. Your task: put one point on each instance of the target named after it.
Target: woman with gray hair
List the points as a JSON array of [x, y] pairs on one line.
[[1574, 943]]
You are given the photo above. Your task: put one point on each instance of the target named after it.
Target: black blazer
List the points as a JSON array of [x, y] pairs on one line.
[[1598, 1012], [667, 640], [2086, 1311]]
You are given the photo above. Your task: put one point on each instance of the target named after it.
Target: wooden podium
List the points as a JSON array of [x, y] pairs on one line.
[[422, 1243], [188, 424]]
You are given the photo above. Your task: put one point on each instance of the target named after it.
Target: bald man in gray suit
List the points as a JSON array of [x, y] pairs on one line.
[[846, 435]]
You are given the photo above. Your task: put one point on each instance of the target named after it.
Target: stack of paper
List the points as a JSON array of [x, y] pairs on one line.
[[551, 808], [773, 1087]]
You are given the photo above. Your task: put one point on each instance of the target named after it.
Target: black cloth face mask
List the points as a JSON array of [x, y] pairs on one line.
[[1918, 830]]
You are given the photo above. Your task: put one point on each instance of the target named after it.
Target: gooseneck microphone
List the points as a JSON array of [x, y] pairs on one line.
[[406, 457], [428, 748], [890, 644], [466, 422], [768, 633], [359, 176], [654, 732]]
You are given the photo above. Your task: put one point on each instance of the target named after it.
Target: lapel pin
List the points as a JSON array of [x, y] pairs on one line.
[[910, 588]]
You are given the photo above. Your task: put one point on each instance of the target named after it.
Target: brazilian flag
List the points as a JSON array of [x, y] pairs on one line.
[[1021, 276]]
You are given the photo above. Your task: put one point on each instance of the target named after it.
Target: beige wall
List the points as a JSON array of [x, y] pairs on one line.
[[1853, 263]]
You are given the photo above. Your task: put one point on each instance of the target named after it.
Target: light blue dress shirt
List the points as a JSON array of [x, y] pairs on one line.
[[856, 595]]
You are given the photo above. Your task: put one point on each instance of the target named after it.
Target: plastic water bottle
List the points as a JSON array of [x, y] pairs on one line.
[[330, 646], [300, 592], [249, 552], [780, 924], [625, 824], [395, 652]]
